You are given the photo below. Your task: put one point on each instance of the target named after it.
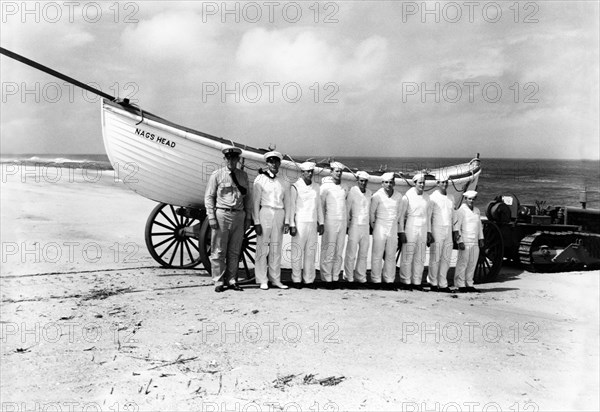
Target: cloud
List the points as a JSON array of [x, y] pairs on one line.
[[47, 38], [305, 56], [178, 37], [290, 55]]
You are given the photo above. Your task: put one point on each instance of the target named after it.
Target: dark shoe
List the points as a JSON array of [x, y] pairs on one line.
[[389, 286], [310, 286], [404, 286], [433, 288], [444, 290], [236, 287], [296, 285], [471, 289], [418, 287], [219, 289], [462, 290]]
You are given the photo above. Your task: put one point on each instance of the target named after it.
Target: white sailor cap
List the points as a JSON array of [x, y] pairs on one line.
[[230, 150], [337, 165], [418, 176], [307, 166], [470, 194], [273, 154], [389, 176], [362, 175]]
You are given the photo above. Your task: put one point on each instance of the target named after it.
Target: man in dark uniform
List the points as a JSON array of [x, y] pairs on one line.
[[229, 212]]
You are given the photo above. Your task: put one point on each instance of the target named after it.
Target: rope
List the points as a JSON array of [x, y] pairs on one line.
[[141, 114], [293, 161]]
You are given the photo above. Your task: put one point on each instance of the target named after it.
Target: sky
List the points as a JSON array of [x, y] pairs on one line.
[[331, 78]]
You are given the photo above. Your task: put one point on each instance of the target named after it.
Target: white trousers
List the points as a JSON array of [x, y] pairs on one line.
[[269, 244], [385, 240], [332, 249], [440, 255], [413, 254], [465, 265], [358, 242], [303, 252]]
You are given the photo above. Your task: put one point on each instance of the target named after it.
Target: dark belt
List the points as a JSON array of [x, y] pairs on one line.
[[230, 209]]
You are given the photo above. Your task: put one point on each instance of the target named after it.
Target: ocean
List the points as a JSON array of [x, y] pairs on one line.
[[558, 182]]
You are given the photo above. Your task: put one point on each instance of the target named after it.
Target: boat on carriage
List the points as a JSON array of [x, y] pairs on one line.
[[171, 164]]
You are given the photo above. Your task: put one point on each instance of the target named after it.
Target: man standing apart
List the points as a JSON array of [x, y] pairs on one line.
[[469, 236], [415, 234], [440, 253], [333, 201], [305, 223], [357, 205], [271, 220], [228, 207], [384, 215]]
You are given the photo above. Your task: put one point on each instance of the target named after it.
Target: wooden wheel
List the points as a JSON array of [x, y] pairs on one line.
[[171, 237], [247, 254], [491, 255]]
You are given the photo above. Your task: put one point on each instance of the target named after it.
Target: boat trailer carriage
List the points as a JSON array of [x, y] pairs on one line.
[[171, 164]]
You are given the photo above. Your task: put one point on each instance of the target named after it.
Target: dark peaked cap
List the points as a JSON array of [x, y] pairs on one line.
[[230, 150]]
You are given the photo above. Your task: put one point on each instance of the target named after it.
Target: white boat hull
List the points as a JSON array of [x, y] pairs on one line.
[[171, 164]]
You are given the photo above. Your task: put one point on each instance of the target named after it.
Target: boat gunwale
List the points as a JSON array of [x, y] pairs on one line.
[[137, 112]]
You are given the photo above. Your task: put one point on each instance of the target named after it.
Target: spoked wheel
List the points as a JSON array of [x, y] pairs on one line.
[[171, 237], [247, 254], [490, 256]]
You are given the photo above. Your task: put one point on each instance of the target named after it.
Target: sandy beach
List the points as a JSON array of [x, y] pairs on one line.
[[90, 322]]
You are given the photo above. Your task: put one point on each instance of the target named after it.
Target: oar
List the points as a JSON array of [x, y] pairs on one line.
[[54, 73]]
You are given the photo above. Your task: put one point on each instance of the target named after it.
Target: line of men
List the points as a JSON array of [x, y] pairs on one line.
[[343, 217]]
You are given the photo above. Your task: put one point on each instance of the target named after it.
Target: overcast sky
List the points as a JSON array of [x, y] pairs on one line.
[[373, 78]]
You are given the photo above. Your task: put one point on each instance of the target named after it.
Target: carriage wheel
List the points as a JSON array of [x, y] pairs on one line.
[[247, 253], [490, 256], [171, 239]]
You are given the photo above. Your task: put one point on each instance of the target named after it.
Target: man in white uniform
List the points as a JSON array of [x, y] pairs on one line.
[[358, 203], [469, 237], [440, 253], [333, 201], [306, 222], [415, 234], [271, 214], [384, 215], [229, 212]]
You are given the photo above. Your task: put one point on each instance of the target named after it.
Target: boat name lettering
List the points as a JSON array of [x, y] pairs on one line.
[[154, 137]]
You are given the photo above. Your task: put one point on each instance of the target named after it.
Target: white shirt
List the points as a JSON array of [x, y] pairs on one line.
[[468, 224], [273, 193], [442, 209], [358, 204], [306, 203], [333, 200], [384, 208], [417, 210]]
